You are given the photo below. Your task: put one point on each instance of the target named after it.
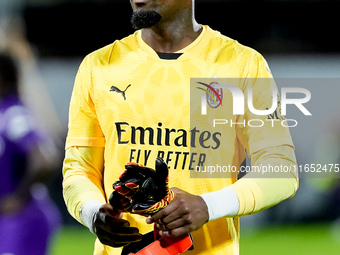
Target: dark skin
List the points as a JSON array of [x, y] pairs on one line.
[[112, 230], [177, 28], [187, 212]]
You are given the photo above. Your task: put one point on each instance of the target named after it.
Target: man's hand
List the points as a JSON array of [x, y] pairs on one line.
[[112, 230], [186, 213]]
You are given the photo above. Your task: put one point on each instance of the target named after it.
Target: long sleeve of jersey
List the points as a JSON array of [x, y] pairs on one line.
[[83, 177], [84, 159], [274, 173], [273, 180]]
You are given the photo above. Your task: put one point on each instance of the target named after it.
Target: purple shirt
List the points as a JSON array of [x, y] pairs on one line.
[[18, 135], [28, 231]]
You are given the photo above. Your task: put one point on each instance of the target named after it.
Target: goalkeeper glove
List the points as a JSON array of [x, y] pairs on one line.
[[142, 190]]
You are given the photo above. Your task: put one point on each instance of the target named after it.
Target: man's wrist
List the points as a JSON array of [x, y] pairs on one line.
[[88, 212], [222, 203]]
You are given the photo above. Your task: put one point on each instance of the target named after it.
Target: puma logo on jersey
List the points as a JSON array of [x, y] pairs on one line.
[[115, 89]]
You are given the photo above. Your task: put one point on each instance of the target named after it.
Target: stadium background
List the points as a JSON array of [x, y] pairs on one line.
[[299, 39]]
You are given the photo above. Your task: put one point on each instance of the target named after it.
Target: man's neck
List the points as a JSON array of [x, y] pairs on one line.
[[172, 36]]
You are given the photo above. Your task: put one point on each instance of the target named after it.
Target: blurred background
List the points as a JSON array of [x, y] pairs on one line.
[[299, 39]]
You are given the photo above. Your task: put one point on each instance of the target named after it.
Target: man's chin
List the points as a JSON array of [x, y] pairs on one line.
[[144, 19]]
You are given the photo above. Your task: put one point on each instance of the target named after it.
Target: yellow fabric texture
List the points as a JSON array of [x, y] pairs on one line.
[[83, 177], [258, 191], [137, 106]]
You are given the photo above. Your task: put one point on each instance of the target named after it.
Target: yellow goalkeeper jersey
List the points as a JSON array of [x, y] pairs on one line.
[[137, 105]]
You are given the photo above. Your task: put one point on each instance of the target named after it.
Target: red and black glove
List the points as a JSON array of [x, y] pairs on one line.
[[142, 190]]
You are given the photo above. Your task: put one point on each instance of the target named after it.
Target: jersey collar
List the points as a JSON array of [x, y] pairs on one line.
[[195, 46]]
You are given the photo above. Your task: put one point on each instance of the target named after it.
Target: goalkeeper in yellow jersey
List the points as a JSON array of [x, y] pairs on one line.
[[131, 107]]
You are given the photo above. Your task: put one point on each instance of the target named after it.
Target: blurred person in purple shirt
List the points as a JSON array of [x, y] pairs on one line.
[[28, 217]]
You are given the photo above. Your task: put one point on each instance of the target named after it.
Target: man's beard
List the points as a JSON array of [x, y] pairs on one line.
[[145, 19]]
